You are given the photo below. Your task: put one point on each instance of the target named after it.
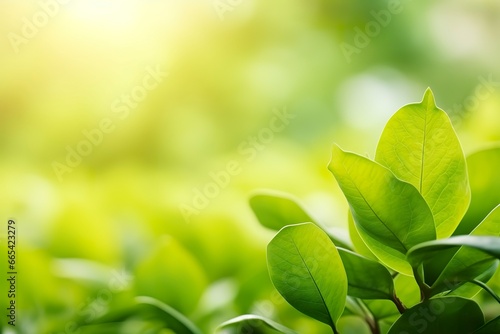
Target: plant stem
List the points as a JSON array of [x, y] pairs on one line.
[[424, 288], [399, 304], [370, 319], [486, 288]]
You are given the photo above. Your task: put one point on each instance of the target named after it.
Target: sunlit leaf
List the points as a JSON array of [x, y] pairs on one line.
[[358, 243], [483, 167], [307, 270], [440, 315], [390, 215], [420, 147], [252, 323]]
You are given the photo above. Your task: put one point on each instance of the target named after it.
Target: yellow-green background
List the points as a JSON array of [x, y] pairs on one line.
[[119, 210]]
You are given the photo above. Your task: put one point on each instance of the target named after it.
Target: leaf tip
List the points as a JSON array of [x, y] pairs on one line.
[[428, 99]]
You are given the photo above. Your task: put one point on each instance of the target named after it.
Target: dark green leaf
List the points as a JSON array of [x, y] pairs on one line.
[[366, 279], [444, 315], [491, 327]]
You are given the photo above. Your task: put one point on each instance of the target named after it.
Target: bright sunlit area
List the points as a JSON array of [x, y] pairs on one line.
[[156, 155]]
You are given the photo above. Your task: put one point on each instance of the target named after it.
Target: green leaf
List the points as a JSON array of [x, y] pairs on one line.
[[252, 323], [420, 147], [483, 167], [366, 279], [358, 243], [147, 309], [390, 215], [465, 263], [306, 268], [166, 272], [276, 210], [488, 245], [492, 326], [171, 317], [440, 315]]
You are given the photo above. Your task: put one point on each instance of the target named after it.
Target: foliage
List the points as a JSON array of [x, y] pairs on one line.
[[404, 208]]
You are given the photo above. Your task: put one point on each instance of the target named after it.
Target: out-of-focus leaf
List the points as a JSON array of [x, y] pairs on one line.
[[171, 275], [150, 310], [420, 147], [252, 323], [307, 270], [366, 279], [390, 215], [276, 210], [483, 167], [440, 315]]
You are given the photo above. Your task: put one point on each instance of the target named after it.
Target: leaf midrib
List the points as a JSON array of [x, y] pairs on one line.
[[375, 213], [314, 282]]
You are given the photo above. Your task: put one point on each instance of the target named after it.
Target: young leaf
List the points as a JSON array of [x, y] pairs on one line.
[[366, 279], [390, 215], [276, 210], [483, 167], [252, 323], [420, 147], [306, 268], [440, 315]]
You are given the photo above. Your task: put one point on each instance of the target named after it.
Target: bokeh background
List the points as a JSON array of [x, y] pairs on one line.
[[138, 213]]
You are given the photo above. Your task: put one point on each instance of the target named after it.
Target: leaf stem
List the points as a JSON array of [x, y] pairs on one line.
[[399, 304], [486, 288], [370, 319], [425, 291]]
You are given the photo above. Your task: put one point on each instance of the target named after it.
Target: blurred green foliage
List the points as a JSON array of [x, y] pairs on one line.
[[118, 210]]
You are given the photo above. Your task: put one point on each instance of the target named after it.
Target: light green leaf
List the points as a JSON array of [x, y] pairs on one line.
[[366, 279], [252, 323], [146, 309], [166, 272], [306, 268], [276, 210], [358, 243], [465, 263], [492, 326], [420, 147], [390, 215], [440, 315], [483, 167]]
